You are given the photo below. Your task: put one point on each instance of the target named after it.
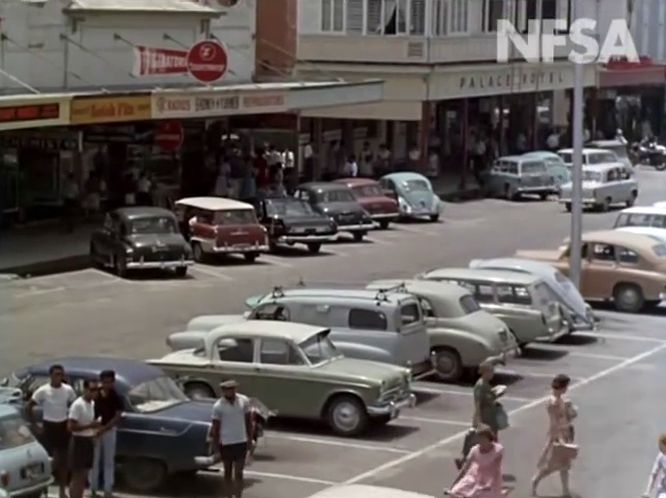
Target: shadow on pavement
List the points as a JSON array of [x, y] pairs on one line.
[[532, 352]]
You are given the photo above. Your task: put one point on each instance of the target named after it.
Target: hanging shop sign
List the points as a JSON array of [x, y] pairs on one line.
[[17, 113], [217, 104], [110, 109], [206, 61], [169, 136]]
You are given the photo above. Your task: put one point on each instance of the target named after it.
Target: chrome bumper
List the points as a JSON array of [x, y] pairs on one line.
[[357, 228], [385, 216], [391, 408], [586, 202], [529, 190], [305, 239], [555, 335], [148, 265], [207, 461], [662, 296], [243, 249], [33, 489]]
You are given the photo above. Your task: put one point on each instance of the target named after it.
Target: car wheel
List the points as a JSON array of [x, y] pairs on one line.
[[568, 206], [628, 298], [120, 266], [272, 246], [143, 475], [358, 236], [384, 224], [604, 207], [181, 271], [660, 165], [632, 200], [198, 390], [250, 256], [447, 363], [543, 196], [198, 253], [346, 415], [434, 218], [314, 247], [379, 421]]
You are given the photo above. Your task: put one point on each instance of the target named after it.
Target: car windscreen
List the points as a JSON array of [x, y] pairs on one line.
[[154, 224], [416, 186], [335, 196], [235, 217], [640, 220], [288, 207], [319, 349], [368, 191], [156, 394], [410, 313], [469, 304], [14, 432], [532, 168], [544, 296], [567, 157], [592, 176]]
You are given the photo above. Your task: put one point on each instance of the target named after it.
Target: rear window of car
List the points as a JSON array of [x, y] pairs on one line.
[[235, 217], [566, 157], [532, 168], [513, 294], [410, 313], [335, 196], [14, 432], [469, 304], [368, 191], [367, 319], [155, 224]]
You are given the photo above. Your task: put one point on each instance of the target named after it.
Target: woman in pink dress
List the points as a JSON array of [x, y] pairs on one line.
[[481, 475]]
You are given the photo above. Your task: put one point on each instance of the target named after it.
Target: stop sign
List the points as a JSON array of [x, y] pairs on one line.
[[169, 135], [207, 61]]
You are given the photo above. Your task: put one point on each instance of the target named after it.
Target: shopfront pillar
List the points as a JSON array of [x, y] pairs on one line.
[[318, 141], [534, 116], [594, 111], [465, 139], [424, 134]]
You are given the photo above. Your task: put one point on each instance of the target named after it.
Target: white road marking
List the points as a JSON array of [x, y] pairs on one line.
[[434, 421], [332, 442], [212, 273], [288, 477], [528, 406], [539, 375], [274, 261], [39, 292], [418, 231], [594, 356], [620, 337], [379, 242], [435, 390]]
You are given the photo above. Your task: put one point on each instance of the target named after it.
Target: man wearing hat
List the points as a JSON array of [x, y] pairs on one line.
[[232, 432]]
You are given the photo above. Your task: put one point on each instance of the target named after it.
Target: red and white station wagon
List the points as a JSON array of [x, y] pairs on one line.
[[215, 225]]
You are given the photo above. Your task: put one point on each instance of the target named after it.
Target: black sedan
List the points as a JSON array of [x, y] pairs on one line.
[[140, 238], [292, 221], [338, 202]]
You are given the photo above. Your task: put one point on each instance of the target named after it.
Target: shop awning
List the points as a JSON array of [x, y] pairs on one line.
[[623, 73], [34, 111], [386, 110], [140, 6]]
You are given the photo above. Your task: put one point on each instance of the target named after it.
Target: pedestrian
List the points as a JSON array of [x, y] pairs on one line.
[[309, 158], [248, 188], [71, 197], [521, 143], [384, 161], [481, 475], [232, 432], [367, 160], [351, 167], [619, 136], [108, 410], [553, 140], [82, 424], [560, 450], [479, 159], [143, 189], [222, 182], [54, 399], [658, 473]]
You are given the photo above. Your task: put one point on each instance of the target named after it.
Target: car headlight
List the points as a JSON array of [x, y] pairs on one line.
[[129, 250]]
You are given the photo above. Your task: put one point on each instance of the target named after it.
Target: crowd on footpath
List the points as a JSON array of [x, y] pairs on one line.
[[80, 433]]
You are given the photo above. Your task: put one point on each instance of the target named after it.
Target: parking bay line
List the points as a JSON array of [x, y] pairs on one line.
[[212, 273], [528, 406], [621, 337], [287, 477], [39, 292], [435, 390], [429, 420], [330, 442]]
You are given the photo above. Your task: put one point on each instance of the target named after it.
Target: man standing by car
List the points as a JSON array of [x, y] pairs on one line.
[[54, 399], [232, 432], [108, 410], [82, 424]]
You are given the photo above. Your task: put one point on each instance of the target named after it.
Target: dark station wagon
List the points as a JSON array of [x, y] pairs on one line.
[[293, 221], [140, 238], [338, 203], [372, 197], [162, 432]]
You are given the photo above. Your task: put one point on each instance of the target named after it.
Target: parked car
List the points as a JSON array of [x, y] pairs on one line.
[[461, 334], [646, 220], [296, 370], [140, 238], [293, 221], [514, 176], [216, 226], [25, 466], [522, 301], [162, 432], [603, 186], [338, 203], [626, 268], [366, 491], [555, 165], [369, 325], [416, 198], [372, 197], [595, 157], [577, 312], [620, 149]]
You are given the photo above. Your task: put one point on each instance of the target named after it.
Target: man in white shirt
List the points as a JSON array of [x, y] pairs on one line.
[[553, 141], [54, 399], [351, 167], [83, 426], [231, 431]]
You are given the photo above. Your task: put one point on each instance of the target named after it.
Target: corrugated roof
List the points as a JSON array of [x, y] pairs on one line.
[[163, 6]]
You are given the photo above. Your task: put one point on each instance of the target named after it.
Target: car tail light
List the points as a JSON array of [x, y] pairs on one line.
[[4, 479]]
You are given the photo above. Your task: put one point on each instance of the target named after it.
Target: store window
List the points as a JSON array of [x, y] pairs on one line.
[[440, 18], [333, 16], [396, 17], [459, 16]]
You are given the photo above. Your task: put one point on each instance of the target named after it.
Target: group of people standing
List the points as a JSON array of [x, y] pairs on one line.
[[79, 432]]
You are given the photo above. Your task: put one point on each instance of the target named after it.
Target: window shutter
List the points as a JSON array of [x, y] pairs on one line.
[[326, 15], [374, 17], [354, 16], [417, 8]]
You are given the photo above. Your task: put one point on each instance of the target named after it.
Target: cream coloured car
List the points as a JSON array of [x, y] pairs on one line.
[[365, 491], [604, 185]]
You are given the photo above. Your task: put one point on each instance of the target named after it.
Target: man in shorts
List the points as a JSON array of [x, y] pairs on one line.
[[232, 431], [84, 427], [54, 399]]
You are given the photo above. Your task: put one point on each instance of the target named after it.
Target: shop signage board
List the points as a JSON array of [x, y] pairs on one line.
[[110, 109], [169, 135], [21, 112], [211, 104], [206, 61], [151, 61]]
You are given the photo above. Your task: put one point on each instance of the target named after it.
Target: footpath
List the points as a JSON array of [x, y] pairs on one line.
[[45, 248]]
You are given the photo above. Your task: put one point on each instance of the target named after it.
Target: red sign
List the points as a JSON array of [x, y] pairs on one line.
[[150, 61], [169, 135], [207, 61], [35, 112]]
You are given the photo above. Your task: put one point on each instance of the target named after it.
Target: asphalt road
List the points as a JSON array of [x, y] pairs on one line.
[[616, 371]]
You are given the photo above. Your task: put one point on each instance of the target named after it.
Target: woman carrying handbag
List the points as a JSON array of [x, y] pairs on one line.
[[560, 449]]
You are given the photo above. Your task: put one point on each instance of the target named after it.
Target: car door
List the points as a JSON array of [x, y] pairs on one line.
[[233, 358], [598, 275], [285, 382]]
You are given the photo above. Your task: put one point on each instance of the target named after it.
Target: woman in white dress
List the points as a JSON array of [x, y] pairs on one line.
[[658, 474]]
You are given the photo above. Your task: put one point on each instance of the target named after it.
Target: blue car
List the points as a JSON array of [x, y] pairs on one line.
[[414, 193], [162, 432], [555, 165], [25, 466]]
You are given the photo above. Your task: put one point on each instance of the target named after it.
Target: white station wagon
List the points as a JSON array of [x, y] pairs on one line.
[[644, 220], [603, 186]]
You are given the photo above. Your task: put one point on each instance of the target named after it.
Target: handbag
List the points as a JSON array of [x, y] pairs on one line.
[[501, 417], [565, 451]]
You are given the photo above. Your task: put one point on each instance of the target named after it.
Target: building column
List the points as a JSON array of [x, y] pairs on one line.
[[465, 139], [318, 142], [424, 134], [594, 112], [535, 121]]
